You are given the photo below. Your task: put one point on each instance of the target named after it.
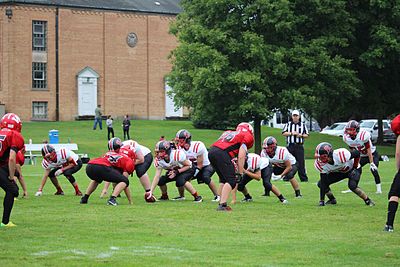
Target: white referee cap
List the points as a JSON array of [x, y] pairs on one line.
[[295, 112]]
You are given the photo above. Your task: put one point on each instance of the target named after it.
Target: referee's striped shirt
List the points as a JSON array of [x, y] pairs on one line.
[[299, 127]]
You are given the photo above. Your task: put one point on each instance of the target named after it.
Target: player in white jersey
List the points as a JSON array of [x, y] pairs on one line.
[[361, 140], [256, 168], [281, 163], [334, 166], [142, 164], [197, 153], [178, 167], [56, 162]]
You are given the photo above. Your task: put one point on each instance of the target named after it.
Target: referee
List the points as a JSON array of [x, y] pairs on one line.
[[295, 132]]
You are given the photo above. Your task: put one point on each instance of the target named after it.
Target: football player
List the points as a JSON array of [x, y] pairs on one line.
[[334, 166], [178, 167], [197, 153], [56, 162], [394, 192], [115, 167], [281, 163], [231, 144], [11, 141], [20, 160], [256, 168], [361, 140]]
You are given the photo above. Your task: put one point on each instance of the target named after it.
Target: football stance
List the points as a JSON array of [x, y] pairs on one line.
[[197, 153], [231, 144], [11, 141], [394, 192], [256, 168], [58, 162], [361, 140], [179, 169], [334, 166], [281, 163]]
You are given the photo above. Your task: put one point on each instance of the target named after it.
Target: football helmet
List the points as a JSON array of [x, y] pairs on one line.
[[352, 128], [395, 125], [114, 144], [183, 137], [323, 152], [244, 126], [162, 149], [270, 144], [49, 153], [11, 121]]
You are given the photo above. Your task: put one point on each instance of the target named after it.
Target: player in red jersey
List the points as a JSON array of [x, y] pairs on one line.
[[114, 166], [20, 160], [230, 145], [11, 141]]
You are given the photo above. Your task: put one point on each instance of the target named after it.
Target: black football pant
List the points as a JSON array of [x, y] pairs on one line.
[[11, 189], [297, 150]]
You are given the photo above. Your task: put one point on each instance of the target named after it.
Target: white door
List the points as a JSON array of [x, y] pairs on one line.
[[87, 96], [170, 105]]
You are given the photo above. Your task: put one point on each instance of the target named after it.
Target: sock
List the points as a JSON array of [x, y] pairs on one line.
[[247, 196], [195, 194], [281, 197], [76, 188], [392, 208], [59, 189], [147, 190], [378, 188], [297, 192], [113, 197], [164, 194]]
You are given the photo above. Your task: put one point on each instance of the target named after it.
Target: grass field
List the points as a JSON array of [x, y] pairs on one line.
[[58, 231]]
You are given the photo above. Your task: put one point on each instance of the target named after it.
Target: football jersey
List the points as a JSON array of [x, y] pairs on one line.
[[231, 141], [116, 160], [62, 156], [282, 154], [136, 147], [9, 140], [128, 151], [362, 142], [255, 162], [196, 149], [341, 162], [176, 160]]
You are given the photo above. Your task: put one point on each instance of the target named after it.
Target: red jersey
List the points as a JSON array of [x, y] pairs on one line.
[[231, 141], [20, 158], [119, 161], [128, 151], [9, 140]]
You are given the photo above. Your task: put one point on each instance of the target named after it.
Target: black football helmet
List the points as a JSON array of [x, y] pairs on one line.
[[270, 145], [183, 137], [352, 128], [114, 144], [49, 152], [324, 152]]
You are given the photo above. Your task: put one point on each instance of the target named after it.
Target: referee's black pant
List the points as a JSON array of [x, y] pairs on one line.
[[297, 150]]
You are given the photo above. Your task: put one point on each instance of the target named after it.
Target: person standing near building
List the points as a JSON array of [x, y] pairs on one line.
[[394, 192], [97, 118], [110, 129], [295, 132], [126, 123]]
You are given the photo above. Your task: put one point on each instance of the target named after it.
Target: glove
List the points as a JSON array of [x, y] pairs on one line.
[[373, 167], [196, 172], [58, 172], [238, 177], [321, 203]]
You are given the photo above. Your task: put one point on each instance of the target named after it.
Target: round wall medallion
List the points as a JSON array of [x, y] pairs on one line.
[[131, 39]]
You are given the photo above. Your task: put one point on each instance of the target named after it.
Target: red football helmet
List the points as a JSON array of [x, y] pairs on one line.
[[11, 121], [114, 144], [323, 152], [49, 153], [270, 145], [395, 125], [352, 128], [244, 126], [183, 137]]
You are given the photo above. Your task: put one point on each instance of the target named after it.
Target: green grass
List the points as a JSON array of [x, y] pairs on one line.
[[58, 231]]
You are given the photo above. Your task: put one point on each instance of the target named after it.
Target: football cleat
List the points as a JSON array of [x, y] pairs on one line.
[[250, 199], [216, 199], [9, 224], [59, 193], [78, 193], [112, 202], [179, 198], [388, 228], [346, 191], [299, 196], [370, 203], [84, 200], [164, 197], [38, 193], [222, 208], [198, 199], [284, 201], [331, 202]]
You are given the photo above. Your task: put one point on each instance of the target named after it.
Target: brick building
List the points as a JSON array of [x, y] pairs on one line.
[[59, 58]]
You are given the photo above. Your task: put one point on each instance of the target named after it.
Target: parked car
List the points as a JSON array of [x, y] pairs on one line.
[[371, 125], [336, 129], [389, 136]]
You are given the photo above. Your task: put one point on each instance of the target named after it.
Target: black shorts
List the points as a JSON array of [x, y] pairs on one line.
[[68, 172], [395, 187], [278, 171], [142, 168], [205, 174], [6, 184], [100, 173], [365, 160], [179, 179], [222, 163]]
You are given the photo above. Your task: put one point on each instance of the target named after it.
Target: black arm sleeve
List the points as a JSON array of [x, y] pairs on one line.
[[354, 154]]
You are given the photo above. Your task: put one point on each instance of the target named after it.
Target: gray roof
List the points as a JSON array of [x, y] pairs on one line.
[[149, 6]]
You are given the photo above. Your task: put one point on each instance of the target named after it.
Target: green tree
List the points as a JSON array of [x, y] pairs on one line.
[[238, 60]]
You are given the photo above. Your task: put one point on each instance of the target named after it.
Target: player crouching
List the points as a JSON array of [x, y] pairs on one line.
[[334, 166]]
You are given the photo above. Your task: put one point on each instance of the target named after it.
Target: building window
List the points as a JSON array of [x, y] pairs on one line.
[[39, 76], [39, 32], [39, 110]]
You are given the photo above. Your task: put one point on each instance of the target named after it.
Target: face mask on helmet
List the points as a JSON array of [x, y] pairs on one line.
[[162, 150], [114, 144], [49, 153], [270, 145], [352, 128], [244, 126], [323, 152], [183, 137], [11, 121]]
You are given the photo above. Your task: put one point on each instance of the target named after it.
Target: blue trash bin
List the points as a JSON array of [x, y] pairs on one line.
[[53, 136]]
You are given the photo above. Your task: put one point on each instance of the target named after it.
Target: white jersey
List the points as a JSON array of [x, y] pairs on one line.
[[282, 154], [256, 163], [361, 142], [136, 147], [63, 154], [176, 160], [196, 149], [341, 162]]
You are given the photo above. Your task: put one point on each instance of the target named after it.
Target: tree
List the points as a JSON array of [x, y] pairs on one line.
[[238, 60]]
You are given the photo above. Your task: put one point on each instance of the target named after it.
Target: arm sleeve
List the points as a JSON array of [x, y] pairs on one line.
[[323, 186]]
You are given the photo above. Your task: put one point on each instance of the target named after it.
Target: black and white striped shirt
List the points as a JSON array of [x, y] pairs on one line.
[[299, 127]]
